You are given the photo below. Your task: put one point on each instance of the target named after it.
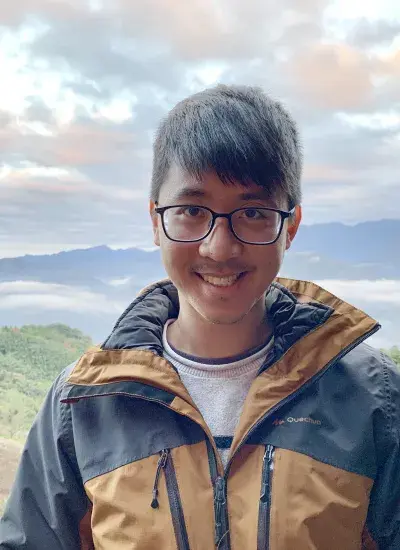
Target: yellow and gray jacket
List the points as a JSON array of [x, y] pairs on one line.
[[120, 458]]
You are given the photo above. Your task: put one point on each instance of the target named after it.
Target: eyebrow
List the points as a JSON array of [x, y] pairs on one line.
[[260, 195], [197, 193], [189, 193]]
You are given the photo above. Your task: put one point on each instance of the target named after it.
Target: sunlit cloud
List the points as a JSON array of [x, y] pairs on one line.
[[85, 83]]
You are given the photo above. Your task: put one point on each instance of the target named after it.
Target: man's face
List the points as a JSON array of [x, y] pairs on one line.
[[219, 278]]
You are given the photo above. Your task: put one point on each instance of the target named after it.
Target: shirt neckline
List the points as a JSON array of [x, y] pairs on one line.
[[249, 358]]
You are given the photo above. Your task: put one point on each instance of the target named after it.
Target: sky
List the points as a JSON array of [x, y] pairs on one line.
[[84, 84]]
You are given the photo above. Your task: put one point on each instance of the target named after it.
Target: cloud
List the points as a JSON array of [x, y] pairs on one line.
[[88, 83], [38, 111], [16, 13], [331, 76], [379, 299], [55, 297], [367, 33], [79, 143], [384, 292], [50, 221], [196, 31], [5, 119]]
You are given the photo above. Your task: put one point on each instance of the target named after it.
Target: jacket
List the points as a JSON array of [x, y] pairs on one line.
[[120, 458]]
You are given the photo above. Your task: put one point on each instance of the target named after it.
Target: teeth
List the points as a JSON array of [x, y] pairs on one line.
[[221, 281]]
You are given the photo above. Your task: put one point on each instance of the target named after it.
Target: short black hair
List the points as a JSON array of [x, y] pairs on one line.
[[240, 133]]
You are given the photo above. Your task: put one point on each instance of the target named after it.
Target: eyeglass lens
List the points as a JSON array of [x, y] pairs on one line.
[[253, 225]]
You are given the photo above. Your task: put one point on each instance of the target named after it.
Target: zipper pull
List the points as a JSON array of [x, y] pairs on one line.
[[267, 466], [219, 508], [162, 461]]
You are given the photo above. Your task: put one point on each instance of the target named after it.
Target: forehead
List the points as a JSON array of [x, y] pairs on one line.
[[180, 186]]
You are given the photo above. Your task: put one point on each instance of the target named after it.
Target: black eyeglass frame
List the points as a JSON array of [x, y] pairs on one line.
[[283, 213]]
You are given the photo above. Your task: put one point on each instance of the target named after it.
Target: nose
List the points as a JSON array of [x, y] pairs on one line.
[[221, 244]]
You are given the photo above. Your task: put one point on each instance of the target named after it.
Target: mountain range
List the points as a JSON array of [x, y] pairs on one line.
[[89, 288]]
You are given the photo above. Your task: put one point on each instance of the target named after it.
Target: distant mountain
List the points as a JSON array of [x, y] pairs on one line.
[[93, 267], [89, 288], [366, 246], [369, 250]]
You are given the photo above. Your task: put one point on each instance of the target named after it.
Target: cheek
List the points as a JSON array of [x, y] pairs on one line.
[[269, 261], [176, 257], [167, 252], [279, 248]]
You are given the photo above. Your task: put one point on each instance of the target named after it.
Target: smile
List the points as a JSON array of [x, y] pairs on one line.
[[228, 280]]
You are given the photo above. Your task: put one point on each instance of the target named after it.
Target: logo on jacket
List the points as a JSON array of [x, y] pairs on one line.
[[295, 420]]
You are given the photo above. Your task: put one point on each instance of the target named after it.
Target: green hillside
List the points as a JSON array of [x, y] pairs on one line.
[[30, 359]]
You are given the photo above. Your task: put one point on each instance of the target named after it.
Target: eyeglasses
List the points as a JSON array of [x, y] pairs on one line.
[[188, 223]]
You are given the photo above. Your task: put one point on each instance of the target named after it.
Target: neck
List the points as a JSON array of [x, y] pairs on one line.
[[194, 335]]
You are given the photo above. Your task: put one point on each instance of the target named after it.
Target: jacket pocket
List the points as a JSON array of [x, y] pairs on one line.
[[264, 509], [165, 464], [315, 504]]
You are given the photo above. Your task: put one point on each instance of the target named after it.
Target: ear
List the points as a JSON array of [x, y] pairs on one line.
[[155, 222], [293, 226]]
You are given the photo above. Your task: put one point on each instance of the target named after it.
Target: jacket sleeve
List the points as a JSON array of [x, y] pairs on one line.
[[47, 505], [383, 520]]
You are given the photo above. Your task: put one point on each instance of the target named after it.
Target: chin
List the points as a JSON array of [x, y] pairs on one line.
[[222, 317]]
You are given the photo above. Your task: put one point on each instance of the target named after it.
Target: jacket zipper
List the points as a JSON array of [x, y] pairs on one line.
[[160, 465], [221, 515], [264, 509], [220, 506], [165, 463]]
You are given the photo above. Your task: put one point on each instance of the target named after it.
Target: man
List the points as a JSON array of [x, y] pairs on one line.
[[228, 409]]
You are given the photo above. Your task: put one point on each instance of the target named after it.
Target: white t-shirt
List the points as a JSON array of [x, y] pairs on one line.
[[218, 387]]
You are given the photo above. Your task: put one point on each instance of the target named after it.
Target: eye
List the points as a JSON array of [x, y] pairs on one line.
[[193, 211], [253, 214]]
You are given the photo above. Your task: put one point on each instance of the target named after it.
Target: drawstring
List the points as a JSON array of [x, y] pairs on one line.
[[161, 464]]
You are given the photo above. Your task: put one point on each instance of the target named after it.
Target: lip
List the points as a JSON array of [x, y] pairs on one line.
[[224, 290], [221, 275]]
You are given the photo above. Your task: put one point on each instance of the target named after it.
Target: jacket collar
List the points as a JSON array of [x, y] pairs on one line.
[[294, 308]]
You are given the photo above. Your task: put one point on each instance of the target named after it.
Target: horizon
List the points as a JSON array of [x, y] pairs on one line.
[[89, 288], [146, 248]]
